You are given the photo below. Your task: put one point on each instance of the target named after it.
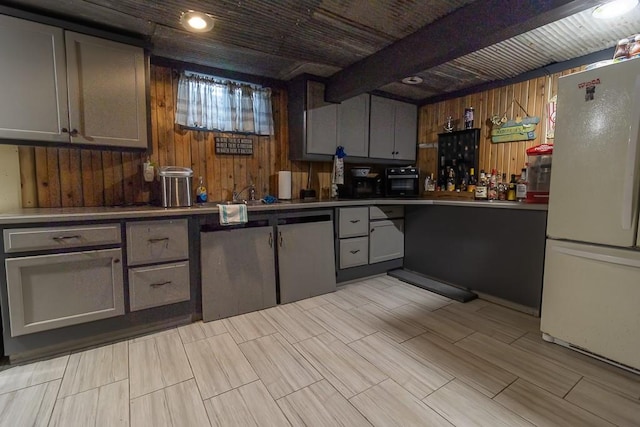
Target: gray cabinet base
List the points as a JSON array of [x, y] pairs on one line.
[[499, 252], [354, 273]]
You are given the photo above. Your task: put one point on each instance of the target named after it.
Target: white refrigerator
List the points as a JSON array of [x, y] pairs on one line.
[[591, 290]]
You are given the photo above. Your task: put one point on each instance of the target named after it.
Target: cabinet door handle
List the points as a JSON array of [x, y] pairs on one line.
[[64, 130], [373, 229], [270, 240], [280, 236], [63, 238], [158, 239], [353, 221], [74, 132], [116, 261], [157, 285], [355, 252]]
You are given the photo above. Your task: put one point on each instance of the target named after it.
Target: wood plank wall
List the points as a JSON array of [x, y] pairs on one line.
[[69, 177], [509, 157]]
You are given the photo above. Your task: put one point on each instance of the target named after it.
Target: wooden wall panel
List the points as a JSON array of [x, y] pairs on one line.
[[68, 177], [509, 157]]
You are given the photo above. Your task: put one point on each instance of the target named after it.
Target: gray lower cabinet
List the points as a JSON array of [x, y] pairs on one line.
[[306, 260], [158, 285], [52, 291], [386, 240], [238, 271]]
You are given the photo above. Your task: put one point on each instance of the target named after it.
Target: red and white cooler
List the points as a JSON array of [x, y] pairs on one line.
[[539, 173]]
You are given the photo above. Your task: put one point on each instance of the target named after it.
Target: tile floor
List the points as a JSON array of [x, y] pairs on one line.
[[377, 352]]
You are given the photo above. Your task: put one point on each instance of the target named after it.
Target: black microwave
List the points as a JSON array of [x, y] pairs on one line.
[[362, 187], [402, 182]]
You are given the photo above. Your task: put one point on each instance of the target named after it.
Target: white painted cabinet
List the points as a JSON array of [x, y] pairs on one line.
[[69, 87], [52, 291], [353, 125], [393, 129]]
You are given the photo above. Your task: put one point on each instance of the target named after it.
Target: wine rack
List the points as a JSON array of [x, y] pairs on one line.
[[459, 150]]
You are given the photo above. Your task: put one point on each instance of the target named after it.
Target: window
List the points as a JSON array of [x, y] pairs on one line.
[[205, 102]]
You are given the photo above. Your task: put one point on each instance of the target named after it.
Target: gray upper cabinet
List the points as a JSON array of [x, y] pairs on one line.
[[69, 87], [353, 125], [317, 127], [106, 92], [33, 81], [322, 121], [393, 129]]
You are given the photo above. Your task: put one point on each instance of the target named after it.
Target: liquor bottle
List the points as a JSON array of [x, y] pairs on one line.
[[464, 181], [511, 192], [471, 186], [521, 186], [430, 184], [481, 187], [492, 190], [442, 181], [201, 192], [451, 180], [503, 186]]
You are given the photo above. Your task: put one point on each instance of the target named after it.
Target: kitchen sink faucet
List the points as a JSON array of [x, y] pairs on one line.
[[236, 194]]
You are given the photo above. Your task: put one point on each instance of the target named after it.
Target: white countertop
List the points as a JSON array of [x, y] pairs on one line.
[[39, 215]]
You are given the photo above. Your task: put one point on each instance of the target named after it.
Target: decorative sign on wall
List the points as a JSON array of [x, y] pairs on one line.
[[242, 146], [518, 129]]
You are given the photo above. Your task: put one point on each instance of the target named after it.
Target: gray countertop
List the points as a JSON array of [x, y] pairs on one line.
[[43, 215]]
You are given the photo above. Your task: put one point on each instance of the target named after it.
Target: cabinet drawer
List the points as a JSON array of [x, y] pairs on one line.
[[157, 241], [159, 285], [31, 239], [353, 222], [52, 291], [354, 252], [386, 212]]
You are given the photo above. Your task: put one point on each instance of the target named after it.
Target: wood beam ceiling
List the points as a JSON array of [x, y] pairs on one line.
[[478, 25]]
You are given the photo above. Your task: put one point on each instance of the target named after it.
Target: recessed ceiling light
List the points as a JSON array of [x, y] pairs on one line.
[[614, 8], [413, 80], [197, 22]]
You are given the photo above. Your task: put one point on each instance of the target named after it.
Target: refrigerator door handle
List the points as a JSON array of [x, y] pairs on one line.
[[610, 259], [628, 190]]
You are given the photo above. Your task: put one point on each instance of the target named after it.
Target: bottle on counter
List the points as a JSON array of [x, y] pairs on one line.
[[441, 185], [201, 191], [511, 191], [481, 188], [451, 180], [521, 186], [464, 181], [429, 183], [471, 185], [492, 190], [503, 186]]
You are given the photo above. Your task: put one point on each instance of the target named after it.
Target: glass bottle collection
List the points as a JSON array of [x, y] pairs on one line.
[[492, 186]]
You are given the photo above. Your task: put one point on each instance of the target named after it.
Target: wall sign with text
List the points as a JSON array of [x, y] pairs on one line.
[[242, 146]]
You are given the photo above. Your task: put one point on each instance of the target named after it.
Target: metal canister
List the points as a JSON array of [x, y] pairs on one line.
[[468, 118]]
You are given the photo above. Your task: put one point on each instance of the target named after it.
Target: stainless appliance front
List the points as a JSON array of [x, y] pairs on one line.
[[402, 182]]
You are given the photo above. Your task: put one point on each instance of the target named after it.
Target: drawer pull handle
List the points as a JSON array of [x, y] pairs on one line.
[[157, 285], [353, 221], [355, 252], [159, 239], [63, 238], [387, 212]]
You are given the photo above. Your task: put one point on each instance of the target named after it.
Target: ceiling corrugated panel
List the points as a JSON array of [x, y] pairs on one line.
[[560, 41], [284, 38]]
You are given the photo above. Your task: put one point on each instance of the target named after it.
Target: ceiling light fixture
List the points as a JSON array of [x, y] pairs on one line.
[[196, 22], [614, 8], [413, 80]]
